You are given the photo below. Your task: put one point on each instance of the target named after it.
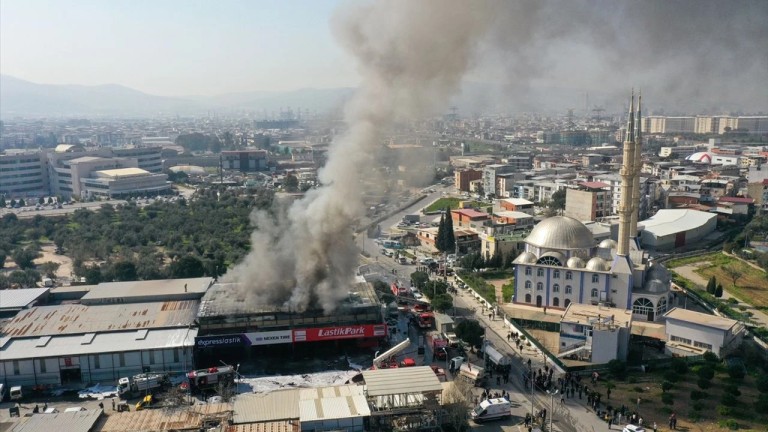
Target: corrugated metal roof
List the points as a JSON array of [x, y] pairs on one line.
[[670, 221], [331, 408], [151, 287], [20, 298], [163, 420], [79, 319], [330, 391], [276, 426], [266, 407], [72, 345], [416, 379], [80, 421]]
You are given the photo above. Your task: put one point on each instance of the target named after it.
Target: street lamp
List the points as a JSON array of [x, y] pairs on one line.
[[551, 406]]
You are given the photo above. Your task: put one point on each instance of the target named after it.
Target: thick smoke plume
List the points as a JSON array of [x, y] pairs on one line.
[[411, 58]]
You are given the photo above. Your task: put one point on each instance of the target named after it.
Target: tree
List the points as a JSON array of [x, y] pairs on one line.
[[419, 279], [442, 302], [49, 268], [21, 202], [124, 271], [291, 183], [25, 257], [719, 291], [706, 372], [711, 285], [441, 237], [733, 272], [450, 238], [557, 203], [187, 266], [92, 275], [41, 201], [3, 255], [470, 331], [2, 201]]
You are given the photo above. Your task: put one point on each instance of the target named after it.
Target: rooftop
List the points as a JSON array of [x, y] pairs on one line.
[[159, 288], [20, 298], [123, 172], [513, 214], [166, 419], [595, 185], [670, 221], [701, 319], [339, 407], [418, 379], [79, 319], [263, 407], [595, 315], [736, 200], [470, 213], [518, 201], [80, 421]]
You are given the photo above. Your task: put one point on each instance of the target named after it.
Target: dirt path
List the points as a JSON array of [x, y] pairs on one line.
[[64, 273]]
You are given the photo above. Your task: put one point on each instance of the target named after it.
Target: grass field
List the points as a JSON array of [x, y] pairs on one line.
[[442, 203], [750, 288]]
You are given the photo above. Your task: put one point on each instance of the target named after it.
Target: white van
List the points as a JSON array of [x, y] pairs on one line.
[[15, 393], [491, 409]]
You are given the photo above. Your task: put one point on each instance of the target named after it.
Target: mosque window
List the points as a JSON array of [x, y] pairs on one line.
[[527, 298], [528, 271], [539, 286], [556, 274], [555, 302], [550, 261], [568, 289], [595, 278], [642, 306], [661, 308], [568, 275], [528, 284], [540, 272], [556, 288], [594, 292]]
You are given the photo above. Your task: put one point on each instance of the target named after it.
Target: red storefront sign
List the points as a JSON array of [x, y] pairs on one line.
[[341, 332]]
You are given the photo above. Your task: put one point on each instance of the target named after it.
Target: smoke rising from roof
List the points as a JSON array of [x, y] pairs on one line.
[[411, 57]]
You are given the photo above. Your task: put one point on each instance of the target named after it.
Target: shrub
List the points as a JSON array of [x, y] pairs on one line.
[[617, 369], [667, 398], [680, 366], [703, 384], [710, 357], [666, 386], [736, 372], [724, 410], [729, 399], [732, 300], [671, 376], [694, 416], [729, 424], [732, 389], [706, 373], [698, 405], [697, 394]]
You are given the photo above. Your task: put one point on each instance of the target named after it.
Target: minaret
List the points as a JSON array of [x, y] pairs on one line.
[[637, 166], [627, 181]]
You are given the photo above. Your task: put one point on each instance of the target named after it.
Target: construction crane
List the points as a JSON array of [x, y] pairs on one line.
[[598, 110]]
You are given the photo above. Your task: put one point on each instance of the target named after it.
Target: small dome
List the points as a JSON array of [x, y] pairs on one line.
[[561, 232], [656, 286], [597, 264], [658, 272], [575, 262], [552, 258], [608, 244], [526, 258]]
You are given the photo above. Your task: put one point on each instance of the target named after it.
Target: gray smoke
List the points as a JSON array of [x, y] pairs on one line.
[[411, 57]]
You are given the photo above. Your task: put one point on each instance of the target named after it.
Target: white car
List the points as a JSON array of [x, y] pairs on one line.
[[633, 428]]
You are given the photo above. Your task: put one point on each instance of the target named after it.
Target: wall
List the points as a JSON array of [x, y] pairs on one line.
[[695, 333]]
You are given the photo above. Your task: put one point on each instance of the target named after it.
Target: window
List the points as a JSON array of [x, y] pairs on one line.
[[121, 359], [527, 299], [550, 261], [540, 272], [555, 302], [594, 292], [539, 286], [595, 278], [528, 271], [16, 370], [528, 284], [642, 306], [556, 274], [556, 288], [706, 346], [568, 289], [661, 308], [175, 355], [151, 357], [679, 339], [43, 367], [567, 302], [568, 275], [96, 362]]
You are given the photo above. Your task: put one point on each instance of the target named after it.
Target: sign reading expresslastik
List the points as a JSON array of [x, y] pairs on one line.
[[340, 332], [254, 338]]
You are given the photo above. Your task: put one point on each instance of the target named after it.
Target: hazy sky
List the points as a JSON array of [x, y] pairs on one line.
[[174, 47]]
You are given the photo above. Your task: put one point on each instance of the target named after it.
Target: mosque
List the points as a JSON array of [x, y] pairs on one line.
[[563, 265]]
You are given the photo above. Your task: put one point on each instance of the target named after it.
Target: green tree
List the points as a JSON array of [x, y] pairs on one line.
[[711, 285], [291, 183], [719, 291], [2, 201], [92, 275], [49, 268], [557, 203], [419, 279], [733, 272], [25, 257], [21, 202], [706, 372], [187, 266], [736, 372], [470, 331], [124, 271], [441, 237], [442, 302], [761, 404], [450, 238], [41, 201]]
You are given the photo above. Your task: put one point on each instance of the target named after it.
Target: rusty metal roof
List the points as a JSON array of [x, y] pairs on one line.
[[77, 318]]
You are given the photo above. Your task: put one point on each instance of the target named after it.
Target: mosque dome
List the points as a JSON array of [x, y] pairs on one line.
[[597, 264], [526, 258], [656, 286], [561, 232], [608, 244], [575, 262]]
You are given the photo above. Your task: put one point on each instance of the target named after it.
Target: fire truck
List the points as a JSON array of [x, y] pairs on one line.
[[211, 378], [399, 291], [388, 359], [438, 344]]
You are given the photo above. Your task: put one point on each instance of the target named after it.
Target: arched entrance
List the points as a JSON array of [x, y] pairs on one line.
[[527, 298], [538, 301], [644, 307], [567, 302]]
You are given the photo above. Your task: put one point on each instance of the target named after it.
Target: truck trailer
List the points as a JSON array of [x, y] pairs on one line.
[[144, 383]]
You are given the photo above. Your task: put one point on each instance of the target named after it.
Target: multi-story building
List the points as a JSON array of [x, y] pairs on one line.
[[589, 202], [22, 174], [250, 160], [463, 178], [517, 204], [490, 175]]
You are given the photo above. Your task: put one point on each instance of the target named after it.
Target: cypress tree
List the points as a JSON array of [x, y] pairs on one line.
[[719, 291], [711, 285], [440, 238], [450, 239]]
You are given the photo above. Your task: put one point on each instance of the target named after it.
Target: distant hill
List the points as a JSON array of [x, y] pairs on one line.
[[23, 98]]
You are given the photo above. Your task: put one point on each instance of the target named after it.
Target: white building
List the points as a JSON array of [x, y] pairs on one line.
[[691, 333], [74, 343], [594, 334], [672, 228], [122, 182], [22, 174]]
